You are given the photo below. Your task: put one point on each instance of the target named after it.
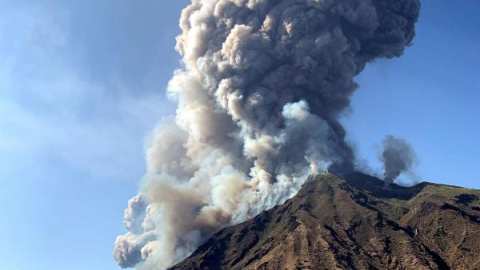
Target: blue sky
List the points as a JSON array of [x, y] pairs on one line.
[[82, 84]]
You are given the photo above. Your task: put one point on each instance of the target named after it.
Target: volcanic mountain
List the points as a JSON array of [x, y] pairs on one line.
[[353, 223]]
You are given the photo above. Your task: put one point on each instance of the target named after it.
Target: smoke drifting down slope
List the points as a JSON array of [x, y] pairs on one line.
[[259, 98]]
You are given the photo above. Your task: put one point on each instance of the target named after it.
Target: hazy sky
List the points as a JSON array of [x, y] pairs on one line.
[[82, 84]]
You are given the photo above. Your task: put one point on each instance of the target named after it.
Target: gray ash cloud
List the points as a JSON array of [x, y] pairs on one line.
[[398, 157], [263, 85]]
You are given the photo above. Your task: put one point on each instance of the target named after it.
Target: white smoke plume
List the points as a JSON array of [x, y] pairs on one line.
[[398, 157], [259, 97]]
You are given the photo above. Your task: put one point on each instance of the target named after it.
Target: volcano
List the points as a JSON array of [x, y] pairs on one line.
[[353, 223]]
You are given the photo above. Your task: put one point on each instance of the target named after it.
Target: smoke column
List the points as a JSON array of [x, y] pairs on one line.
[[397, 157], [259, 96]]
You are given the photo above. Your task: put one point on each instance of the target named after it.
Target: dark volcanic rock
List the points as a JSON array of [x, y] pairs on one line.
[[353, 224]]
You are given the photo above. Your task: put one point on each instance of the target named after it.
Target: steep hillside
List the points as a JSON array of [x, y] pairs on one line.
[[353, 224]]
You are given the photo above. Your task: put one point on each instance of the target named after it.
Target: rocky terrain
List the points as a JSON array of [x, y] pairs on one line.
[[353, 223]]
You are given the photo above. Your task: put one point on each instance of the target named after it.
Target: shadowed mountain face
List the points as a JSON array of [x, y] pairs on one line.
[[353, 224]]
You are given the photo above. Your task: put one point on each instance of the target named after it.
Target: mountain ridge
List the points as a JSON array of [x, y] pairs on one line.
[[353, 223]]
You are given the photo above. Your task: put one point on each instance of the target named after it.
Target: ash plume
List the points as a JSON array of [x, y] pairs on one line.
[[263, 85], [398, 157]]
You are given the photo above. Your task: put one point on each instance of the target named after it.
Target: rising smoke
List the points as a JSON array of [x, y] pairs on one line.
[[259, 98], [398, 157]]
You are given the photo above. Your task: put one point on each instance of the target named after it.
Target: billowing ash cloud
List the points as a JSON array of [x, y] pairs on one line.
[[397, 157], [259, 97]]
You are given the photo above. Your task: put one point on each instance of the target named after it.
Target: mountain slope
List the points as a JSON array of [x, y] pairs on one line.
[[353, 224]]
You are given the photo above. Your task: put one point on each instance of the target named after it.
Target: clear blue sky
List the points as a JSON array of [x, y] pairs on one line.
[[82, 84]]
